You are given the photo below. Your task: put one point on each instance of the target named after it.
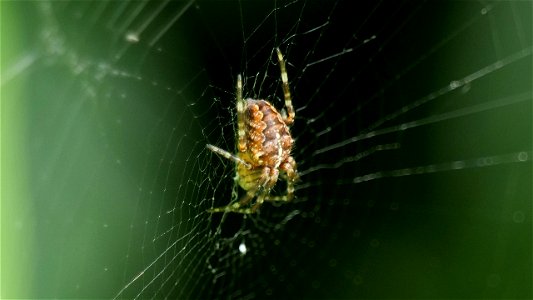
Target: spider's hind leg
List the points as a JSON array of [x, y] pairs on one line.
[[289, 195], [239, 206], [290, 175]]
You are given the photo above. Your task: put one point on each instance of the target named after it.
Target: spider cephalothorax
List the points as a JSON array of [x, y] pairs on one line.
[[264, 148]]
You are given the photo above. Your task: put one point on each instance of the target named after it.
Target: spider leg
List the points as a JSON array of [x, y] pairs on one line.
[[261, 191], [237, 207], [259, 202], [286, 91], [291, 177], [228, 155], [241, 105], [285, 198]]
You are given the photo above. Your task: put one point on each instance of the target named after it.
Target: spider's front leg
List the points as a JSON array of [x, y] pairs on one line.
[[228, 155]]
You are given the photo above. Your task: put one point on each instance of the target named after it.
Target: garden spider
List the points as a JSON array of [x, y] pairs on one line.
[[264, 149]]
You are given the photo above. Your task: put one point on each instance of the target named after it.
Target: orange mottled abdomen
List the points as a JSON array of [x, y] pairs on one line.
[[268, 141], [268, 138]]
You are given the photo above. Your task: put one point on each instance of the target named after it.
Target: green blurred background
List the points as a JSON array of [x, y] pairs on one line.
[[95, 147]]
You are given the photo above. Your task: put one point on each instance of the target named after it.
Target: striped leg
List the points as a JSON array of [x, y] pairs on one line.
[[228, 155], [241, 106], [289, 119]]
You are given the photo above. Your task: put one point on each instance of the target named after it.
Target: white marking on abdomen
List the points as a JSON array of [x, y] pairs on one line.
[[280, 150]]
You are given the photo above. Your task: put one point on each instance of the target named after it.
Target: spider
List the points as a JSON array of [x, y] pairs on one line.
[[264, 149]]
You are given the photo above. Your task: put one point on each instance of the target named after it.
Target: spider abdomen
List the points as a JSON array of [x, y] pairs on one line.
[[268, 137]]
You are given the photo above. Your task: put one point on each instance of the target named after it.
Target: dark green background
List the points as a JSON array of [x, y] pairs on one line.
[[82, 150]]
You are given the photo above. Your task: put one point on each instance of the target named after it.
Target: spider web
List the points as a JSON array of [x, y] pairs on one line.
[[412, 139]]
